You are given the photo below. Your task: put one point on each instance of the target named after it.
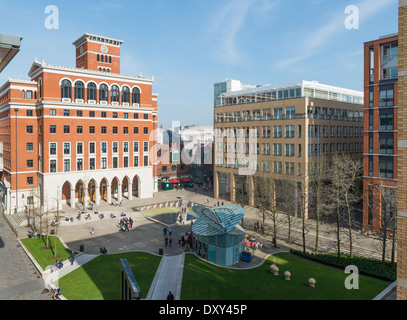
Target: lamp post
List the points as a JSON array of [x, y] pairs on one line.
[[16, 209]]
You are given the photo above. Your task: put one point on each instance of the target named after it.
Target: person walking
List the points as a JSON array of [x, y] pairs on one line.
[[165, 231], [170, 296], [166, 241], [170, 232], [131, 223], [72, 258]]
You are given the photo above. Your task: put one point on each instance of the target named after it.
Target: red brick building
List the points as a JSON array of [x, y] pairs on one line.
[[81, 134], [380, 126]]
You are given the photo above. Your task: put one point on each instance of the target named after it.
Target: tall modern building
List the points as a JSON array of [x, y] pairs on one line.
[[282, 129], [9, 47], [75, 135], [402, 156], [380, 127]]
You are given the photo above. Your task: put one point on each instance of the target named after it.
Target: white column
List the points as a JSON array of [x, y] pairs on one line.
[[72, 197], [109, 194], [130, 191], [97, 195], [85, 197], [119, 192]]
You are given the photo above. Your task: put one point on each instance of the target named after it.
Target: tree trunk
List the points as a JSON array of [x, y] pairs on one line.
[[349, 226]]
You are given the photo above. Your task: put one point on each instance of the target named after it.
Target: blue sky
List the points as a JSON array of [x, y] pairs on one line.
[[187, 45]]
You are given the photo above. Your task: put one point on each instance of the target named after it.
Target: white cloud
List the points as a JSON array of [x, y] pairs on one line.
[[225, 25]]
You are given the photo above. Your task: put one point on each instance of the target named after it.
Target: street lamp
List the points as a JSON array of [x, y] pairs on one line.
[[16, 209]]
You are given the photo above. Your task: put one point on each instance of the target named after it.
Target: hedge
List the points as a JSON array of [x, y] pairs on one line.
[[367, 266]]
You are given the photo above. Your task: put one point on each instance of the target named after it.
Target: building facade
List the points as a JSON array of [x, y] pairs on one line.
[[283, 130], [402, 156], [75, 135], [380, 128]]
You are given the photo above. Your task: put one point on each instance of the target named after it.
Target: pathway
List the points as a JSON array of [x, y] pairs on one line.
[[168, 278]]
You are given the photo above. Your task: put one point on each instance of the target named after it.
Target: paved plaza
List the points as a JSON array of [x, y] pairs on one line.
[[145, 235]]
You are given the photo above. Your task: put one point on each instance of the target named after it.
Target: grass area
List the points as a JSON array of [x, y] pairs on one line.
[[100, 279], [44, 257], [204, 281]]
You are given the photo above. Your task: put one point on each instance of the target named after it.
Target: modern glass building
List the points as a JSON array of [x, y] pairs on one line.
[[218, 235]]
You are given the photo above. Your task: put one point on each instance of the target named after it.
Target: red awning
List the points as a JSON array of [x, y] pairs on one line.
[[175, 181], [186, 179]]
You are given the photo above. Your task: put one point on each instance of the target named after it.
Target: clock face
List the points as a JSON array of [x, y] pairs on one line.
[[104, 49]]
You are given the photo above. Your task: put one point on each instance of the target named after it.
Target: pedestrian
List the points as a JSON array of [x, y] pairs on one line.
[[166, 241], [170, 296], [170, 232], [218, 203], [72, 258], [222, 203], [165, 231], [131, 223], [170, 241]]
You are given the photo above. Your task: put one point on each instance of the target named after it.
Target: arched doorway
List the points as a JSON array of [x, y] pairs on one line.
[[103, 189], [79, 191], [92, 190], [136, 187]]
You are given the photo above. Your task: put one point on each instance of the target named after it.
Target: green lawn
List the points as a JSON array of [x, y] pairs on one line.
[[44, 257], [203, 281], [100, 279]]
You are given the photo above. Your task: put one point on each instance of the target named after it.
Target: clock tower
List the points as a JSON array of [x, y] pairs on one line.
[[98, 53]]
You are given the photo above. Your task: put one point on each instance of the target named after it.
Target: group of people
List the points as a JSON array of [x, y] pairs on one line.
[[251, 243], [168, 238], [125, 224], [186, 239], [116, 203], [57, 265], [33, 235]]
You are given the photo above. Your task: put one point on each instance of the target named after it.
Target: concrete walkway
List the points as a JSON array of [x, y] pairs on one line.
[[168, 278]]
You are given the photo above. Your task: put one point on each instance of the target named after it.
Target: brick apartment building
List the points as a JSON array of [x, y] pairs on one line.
[[380, 126], [293, 125], [80, 134]]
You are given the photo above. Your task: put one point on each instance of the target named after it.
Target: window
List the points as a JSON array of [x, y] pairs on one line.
[[66, 129], [278, 167], [145, 146], [135, 164], [125, 147], [104, 147], [145, 161], [79, 148], [145, 130], [30, 146], [115, 94], [30, 181], [289, 168], [52, 112], [386, 119], [92, 130], [52, 129], [29, 113], [103, 92], [66, 89], [79, 165], [115, 162], [91, 114], [164, 168], [67, 148], [125, 162], [114, 130], [92, 91], [104, 130], [386, 96], [136, 95], [125, 130], [79, 90], [370, 166], [114, 114], [29, 129], [125, 115], [92, 147], [290, 113], [277, 149], [126, 95], [145, 116], [278, 113], [386, 143], [371, 97], [136, 116], [103, 114], [104, 163], [30, 164], [278, 131], [289, 150], [67, 165], [79, 129], [79, 113], [289, 131], [53, 166], [386, 167], [115, 147], [52, 148], [92, 165], [371, 125]]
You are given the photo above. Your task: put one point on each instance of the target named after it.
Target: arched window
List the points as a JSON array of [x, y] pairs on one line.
[[79, 90], [103, 92], [91, 91], [126, 95], [40, 87], [136, 95], [66, 89], [115, 94]]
